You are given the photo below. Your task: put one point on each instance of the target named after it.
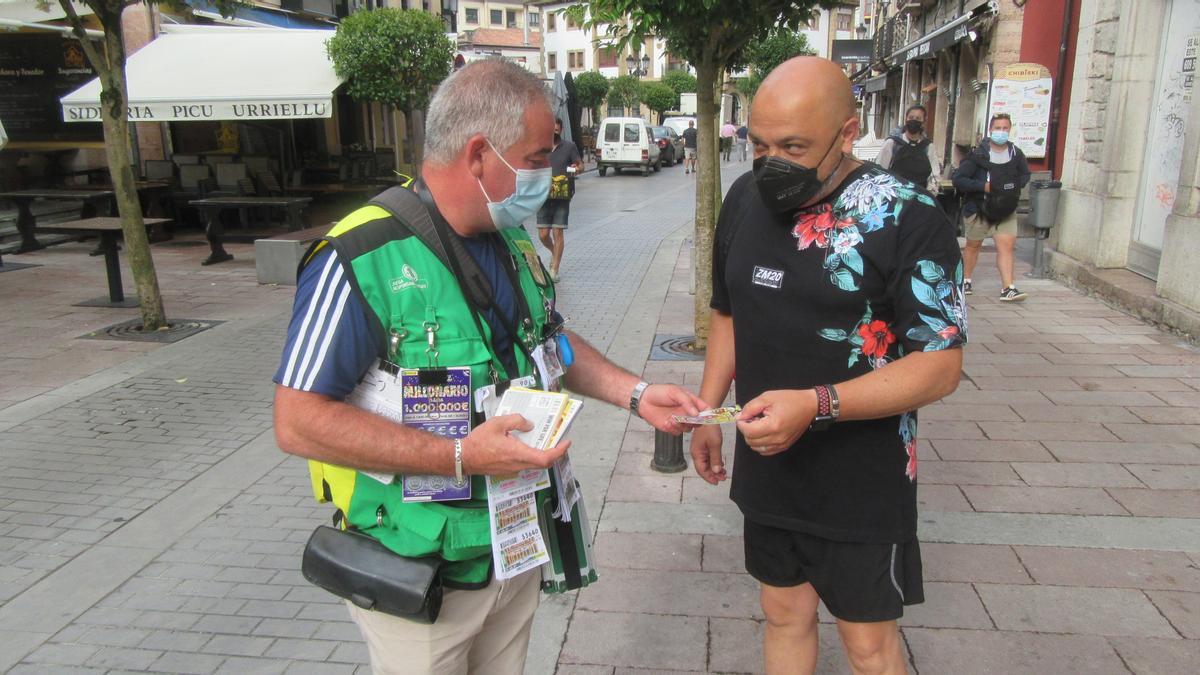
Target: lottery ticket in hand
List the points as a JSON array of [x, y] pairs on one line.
[[724, 415]]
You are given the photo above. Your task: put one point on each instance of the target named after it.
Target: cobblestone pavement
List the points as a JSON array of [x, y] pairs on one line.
[[150, 524]]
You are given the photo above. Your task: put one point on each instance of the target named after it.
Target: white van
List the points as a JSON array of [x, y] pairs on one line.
[[626, 142]]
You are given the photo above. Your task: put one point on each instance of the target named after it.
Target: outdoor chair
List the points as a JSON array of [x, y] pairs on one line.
[[160, 169]]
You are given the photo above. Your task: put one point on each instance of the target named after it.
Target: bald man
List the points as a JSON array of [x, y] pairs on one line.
[[837, 300]]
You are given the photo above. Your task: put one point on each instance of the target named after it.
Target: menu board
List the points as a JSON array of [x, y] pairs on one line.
[[1023, 91], [35, 71]]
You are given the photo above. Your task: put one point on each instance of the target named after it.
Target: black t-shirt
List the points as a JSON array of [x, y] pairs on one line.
[[871, 273], [689, 137]]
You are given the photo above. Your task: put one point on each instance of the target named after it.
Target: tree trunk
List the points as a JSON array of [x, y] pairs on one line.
[[417, 119], [114, 111], [708, 191], [399, 128]]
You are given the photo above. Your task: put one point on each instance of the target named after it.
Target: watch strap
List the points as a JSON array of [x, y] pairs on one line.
[[636, 397]]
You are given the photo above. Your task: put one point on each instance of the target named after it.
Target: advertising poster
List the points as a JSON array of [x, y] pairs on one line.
[[1023, 91]]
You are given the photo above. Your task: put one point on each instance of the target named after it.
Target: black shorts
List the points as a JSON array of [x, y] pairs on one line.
[[857, 582], [554, 213]]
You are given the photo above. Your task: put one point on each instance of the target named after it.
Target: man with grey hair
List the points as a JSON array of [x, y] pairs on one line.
[[379, 292]]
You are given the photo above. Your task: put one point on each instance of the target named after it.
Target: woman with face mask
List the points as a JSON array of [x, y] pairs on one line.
[[909, 154], [990, 180]]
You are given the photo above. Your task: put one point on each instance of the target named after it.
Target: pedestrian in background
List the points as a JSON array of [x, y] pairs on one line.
[[991, 179], [743, 135], [565, 163], [728, 131], [689, 148], [909, 154], [836, 300]]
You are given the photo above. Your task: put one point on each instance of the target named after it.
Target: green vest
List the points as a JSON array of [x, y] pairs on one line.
[[409, 290]]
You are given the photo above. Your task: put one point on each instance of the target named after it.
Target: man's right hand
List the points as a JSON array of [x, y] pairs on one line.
[[490, 450], [706, 454]]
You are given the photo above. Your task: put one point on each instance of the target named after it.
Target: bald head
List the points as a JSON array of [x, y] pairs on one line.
[[809, 87], [804, 112]]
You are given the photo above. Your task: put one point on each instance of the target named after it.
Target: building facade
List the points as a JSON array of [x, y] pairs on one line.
[[1130, 203]]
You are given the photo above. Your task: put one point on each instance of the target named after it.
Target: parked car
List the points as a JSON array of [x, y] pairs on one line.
[[669, 143], [626, 142]]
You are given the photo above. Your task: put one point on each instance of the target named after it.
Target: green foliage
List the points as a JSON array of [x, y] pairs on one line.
[[762, 56], [591, 88], [680, 81], [658, 97], [393, 56], [624, 92]]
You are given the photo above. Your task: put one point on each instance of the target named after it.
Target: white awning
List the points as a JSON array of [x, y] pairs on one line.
[[199, 73]]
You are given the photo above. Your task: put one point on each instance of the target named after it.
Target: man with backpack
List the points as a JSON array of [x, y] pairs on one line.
[[908, 153], [990, 180]]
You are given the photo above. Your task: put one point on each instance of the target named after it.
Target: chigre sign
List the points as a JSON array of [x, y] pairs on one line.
[[191, 111]]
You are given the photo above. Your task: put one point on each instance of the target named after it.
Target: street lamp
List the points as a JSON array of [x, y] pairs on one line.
[[631, 65]]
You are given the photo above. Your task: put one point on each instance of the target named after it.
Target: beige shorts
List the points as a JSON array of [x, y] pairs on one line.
[[977, 227], [483, 631]]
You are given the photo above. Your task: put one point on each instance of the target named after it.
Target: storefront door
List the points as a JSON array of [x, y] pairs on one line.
[[1164, 149]]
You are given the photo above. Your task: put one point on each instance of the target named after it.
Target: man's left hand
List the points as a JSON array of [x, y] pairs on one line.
[[772, 422], [660, 401]]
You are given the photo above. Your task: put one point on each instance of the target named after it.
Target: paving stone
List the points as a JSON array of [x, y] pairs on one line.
[[968, 412], [634, 550], [253, 666], [312, 668], [735, 646], [123, 657], [947, 605], [1081, 611], [1156, 656], [1156, 433], [673, 592], [237, 645], [1125, 453], [1079, 501], [1075, 474], [623, 488], [1161, 503], [584, 670], [1110, 568], [63, 654], [698, 491], [949, 429], [1166, 477], [724, 554], [304, 650], [971, 563], [969, 473], [636, 640], [1182, 609], [992, 451], [1047, 431], [968, 652], [190, 663], [940, 498]]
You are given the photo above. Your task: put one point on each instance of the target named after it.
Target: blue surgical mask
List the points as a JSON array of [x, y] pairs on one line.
[[999, 137], [533, 186]]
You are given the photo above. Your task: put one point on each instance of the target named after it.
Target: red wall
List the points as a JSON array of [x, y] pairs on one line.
[[1041, 34]]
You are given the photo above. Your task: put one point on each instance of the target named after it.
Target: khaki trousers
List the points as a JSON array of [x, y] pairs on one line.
[[483, 631]]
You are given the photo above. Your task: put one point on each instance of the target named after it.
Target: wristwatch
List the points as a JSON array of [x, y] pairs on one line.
[[828, 407], [636, 397]]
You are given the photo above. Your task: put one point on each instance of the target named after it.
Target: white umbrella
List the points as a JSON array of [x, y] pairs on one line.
[[560, 106]]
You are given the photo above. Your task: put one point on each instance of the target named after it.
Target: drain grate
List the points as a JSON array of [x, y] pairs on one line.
[[674, 348], [129, 331]]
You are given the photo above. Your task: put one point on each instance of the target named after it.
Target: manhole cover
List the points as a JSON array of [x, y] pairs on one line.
[[675, 348], [177, 330]]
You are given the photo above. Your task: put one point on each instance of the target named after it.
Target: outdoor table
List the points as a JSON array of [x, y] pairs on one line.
[[108, 229], [211, 208], [95, 203]]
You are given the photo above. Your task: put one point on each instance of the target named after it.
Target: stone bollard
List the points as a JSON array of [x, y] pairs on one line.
[[668, 453]]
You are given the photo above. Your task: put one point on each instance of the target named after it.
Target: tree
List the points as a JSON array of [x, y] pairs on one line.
[[108, 60], [681, 82], [592, 88], [624, 92], [392, 56], [658, 97], [764, 55], [711, 35]]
